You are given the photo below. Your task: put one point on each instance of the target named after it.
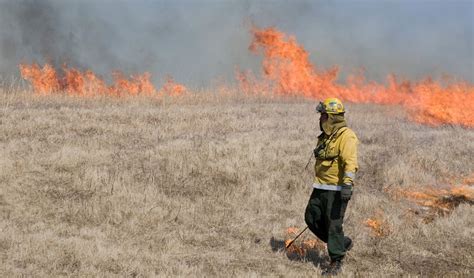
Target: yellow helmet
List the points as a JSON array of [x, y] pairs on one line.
[[330, 105]]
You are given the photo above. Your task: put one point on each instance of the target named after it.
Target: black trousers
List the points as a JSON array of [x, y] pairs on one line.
[[324, 216]]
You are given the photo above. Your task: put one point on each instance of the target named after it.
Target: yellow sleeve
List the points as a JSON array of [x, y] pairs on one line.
[[348, 156]]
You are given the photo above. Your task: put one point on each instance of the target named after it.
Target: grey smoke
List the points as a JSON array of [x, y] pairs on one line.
[[201, 42]]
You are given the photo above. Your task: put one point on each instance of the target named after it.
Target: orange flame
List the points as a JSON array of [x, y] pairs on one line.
[[78, 83], [292, 230], [438, 201], [301, 249], [172, 88], [137, 84], [442, 200], [286, 70], [380, 227], [469, 180], [45, 81]]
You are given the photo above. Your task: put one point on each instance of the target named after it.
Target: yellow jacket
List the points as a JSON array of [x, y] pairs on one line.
[[336, 162]]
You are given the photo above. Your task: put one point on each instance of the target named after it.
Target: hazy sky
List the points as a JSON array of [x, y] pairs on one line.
[[199, 42]]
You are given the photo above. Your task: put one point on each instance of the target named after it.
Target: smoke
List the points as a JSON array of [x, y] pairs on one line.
[[199, 42], [48, 31]]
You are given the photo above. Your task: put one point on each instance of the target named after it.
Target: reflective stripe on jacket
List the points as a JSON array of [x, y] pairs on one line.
[[340, 160]]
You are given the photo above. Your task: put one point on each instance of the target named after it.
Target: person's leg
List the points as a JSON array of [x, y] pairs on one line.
[[314, 216], [335, 215]]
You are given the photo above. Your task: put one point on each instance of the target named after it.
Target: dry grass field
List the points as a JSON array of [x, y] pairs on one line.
[[207, 185]]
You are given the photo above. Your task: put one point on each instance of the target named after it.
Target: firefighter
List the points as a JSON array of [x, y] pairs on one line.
[[335, 168]]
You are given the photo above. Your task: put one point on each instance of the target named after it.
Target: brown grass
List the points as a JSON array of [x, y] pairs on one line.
[[206, 186]]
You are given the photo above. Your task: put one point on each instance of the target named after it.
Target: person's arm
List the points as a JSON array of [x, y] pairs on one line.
[[348, 155]]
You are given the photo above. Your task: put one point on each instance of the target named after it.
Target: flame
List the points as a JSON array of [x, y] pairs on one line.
[[172, 88], [442, 201], [287, 242], [137, 84], [469, 180], [46, 81], [286, 70], [302, 248], [292, 230], [438, 201], [379, 226], [78, 83]]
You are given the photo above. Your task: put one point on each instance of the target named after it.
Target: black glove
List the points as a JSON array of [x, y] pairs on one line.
[[346, 192]]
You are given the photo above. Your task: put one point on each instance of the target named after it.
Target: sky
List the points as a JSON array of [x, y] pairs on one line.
[[200, 43]]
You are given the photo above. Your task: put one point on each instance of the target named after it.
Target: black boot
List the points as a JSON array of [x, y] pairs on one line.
[[348, 243], [333, 269]]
